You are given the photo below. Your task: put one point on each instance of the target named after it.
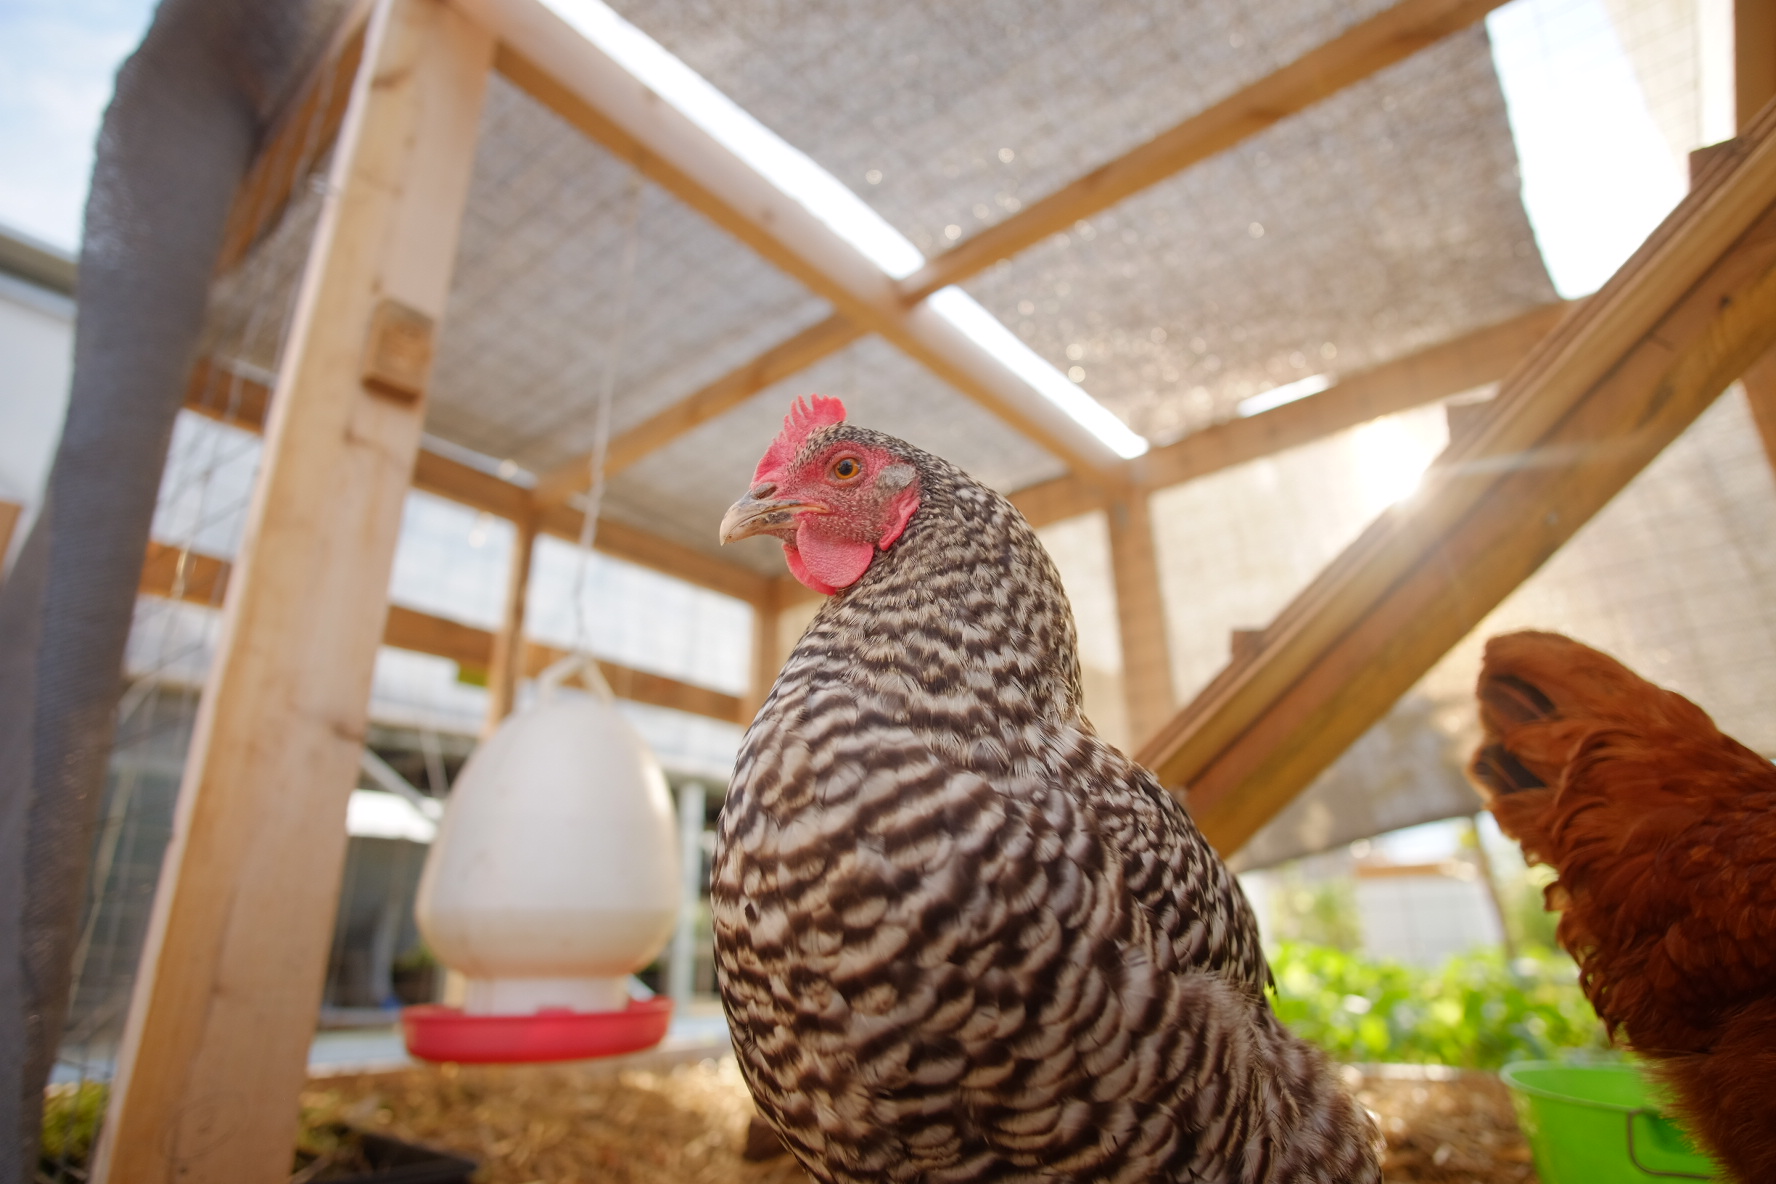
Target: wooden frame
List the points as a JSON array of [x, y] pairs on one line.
[[170, 573], [216, 1044]]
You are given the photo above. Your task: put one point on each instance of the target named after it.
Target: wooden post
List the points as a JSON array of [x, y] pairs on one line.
[[216, 1046], [1759, 383], [507, 666], [1140, 615], [767, 658], [1754, 58], [10, 513]]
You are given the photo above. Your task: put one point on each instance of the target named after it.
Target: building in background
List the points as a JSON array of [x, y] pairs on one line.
[[36, 360]]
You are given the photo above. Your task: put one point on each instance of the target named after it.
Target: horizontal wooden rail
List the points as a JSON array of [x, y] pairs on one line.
[[1471, 360], [244, 402], [174, 573]]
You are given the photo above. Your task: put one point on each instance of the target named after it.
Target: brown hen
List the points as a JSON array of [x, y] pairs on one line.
[[1663, 833]]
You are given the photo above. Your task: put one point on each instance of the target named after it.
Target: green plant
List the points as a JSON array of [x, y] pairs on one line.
[[1322, 912], [71, 1115], [1476, 1011]]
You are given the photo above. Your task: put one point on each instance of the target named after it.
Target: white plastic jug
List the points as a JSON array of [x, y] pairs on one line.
[[554, 875]]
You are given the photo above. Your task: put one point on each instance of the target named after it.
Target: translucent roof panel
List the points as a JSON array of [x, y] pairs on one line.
[[912, 103], [1379, 222], [538, 294], [1382, 220]]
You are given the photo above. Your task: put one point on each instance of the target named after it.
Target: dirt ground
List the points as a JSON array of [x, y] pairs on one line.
[[687, 1125]]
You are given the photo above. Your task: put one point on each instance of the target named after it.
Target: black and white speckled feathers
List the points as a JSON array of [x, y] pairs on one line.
[[958, 936]]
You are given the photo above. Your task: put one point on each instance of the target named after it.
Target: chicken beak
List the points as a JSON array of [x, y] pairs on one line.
[[760, 513]]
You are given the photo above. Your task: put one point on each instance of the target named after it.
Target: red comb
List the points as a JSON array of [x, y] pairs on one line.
[[805, 416]]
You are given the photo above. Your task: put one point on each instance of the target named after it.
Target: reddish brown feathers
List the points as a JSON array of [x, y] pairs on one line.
[[805, 417], [1663, 832]]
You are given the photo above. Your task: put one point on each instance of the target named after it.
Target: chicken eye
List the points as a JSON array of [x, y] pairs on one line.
[[846, 467]]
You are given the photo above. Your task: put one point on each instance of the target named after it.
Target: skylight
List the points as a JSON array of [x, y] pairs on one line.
[[829, 200], [1289, 392]]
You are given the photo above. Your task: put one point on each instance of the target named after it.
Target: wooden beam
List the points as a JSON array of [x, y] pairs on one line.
[[1754, 58], [10, 513], [1359, 52], [641, 686], [767, 650], [231, 398], [307, 128], [1471, 360], [215, 1048], [727, 392], [173, 573], [1140, 616], [1615, 383], [622, 541], [1759, 381], [503, 670], [1064, 497], [543, 55]]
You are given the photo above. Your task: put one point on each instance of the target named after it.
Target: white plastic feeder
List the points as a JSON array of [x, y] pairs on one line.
[[554, 877]]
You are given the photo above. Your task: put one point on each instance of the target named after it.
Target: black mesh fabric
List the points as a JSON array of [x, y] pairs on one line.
[[189, 108]]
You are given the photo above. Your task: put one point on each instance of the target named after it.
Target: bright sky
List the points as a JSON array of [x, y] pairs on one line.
[[1596, 176], [57, 62]]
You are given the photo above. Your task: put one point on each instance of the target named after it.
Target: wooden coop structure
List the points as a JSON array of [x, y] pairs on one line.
[[420, 277]]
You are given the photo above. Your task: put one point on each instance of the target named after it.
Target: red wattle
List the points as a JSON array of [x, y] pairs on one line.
[[827, 564]]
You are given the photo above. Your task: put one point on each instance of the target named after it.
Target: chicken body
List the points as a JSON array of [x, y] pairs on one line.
[[958, 936], [1663, 833]]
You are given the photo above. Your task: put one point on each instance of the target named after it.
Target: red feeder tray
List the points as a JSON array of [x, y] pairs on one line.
[[437, 1033]]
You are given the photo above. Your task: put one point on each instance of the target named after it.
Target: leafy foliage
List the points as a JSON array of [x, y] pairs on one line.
[[71, 1121], [1476, 1011]]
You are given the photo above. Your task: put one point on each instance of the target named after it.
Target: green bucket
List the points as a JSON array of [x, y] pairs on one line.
[[1599, 1124]]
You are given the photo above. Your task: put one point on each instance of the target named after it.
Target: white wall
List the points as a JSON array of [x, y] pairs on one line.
[[36, 361]]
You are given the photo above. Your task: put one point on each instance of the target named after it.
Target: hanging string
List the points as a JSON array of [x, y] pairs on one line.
[[601, 425]]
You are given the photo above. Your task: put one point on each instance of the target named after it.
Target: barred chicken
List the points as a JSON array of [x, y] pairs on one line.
[[1663, 833], [958, 936]]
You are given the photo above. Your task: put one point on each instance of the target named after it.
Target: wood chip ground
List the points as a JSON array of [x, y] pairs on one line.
[[688, 1125]]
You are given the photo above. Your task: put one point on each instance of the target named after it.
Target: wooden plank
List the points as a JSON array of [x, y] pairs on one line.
[[641, 686], [309, 126], [781, 361], [1354, 55], [204, 580], [1592, 405], [508, 643], [1140, 616], [567, 73], [466, 485], [622, 541], [1759, 381], [1471, 360], [767, 651], [1061, 498], [1754, 58], [227, 397], [215, 1049]]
